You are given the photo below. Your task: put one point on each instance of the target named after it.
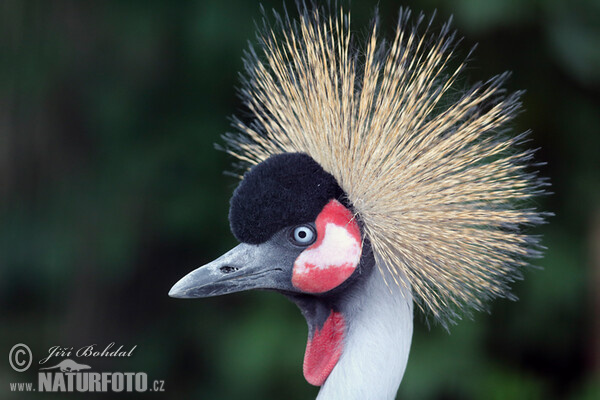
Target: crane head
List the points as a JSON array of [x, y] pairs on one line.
[[362, 158], [298, 234], [299, 237]]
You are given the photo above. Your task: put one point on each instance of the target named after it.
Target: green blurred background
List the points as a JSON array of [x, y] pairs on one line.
[[111, 190]]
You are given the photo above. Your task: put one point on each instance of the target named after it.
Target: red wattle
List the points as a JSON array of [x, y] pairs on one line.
[[324, 349]]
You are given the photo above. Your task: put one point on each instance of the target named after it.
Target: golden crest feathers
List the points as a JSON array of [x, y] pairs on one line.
[[431, 172]]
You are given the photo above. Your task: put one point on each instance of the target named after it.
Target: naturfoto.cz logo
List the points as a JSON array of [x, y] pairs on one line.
[[69, 375]]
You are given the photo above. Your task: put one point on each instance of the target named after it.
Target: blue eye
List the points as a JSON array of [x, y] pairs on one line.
[[303, 235]]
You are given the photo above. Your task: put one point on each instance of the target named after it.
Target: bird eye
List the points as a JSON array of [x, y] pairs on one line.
[[303, 235]]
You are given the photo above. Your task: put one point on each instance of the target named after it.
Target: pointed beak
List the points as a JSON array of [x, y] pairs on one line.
[[244, 267]]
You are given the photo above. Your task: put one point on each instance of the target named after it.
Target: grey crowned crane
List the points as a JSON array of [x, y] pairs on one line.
[[371, 184]]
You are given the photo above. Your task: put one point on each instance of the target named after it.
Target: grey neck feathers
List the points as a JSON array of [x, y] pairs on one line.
[[377, 342]]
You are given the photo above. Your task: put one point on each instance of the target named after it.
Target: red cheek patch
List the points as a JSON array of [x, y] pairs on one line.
[[334, 256], [324, 349]]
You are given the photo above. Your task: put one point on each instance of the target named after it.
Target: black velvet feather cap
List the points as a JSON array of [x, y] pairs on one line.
[[284, 190]]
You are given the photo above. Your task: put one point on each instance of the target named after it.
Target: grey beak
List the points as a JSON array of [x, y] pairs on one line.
[[242, 268]]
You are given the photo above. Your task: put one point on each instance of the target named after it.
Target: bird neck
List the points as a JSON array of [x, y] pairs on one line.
[[358, 345], [377, 342]]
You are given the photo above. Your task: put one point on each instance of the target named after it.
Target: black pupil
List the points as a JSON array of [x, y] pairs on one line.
[[302, 234]]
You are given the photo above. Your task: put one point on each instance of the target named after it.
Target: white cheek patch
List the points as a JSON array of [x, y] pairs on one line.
[[335, 255], [339, 248]]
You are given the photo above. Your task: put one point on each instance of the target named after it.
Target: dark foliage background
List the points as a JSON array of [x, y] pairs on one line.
[[110, 190]]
